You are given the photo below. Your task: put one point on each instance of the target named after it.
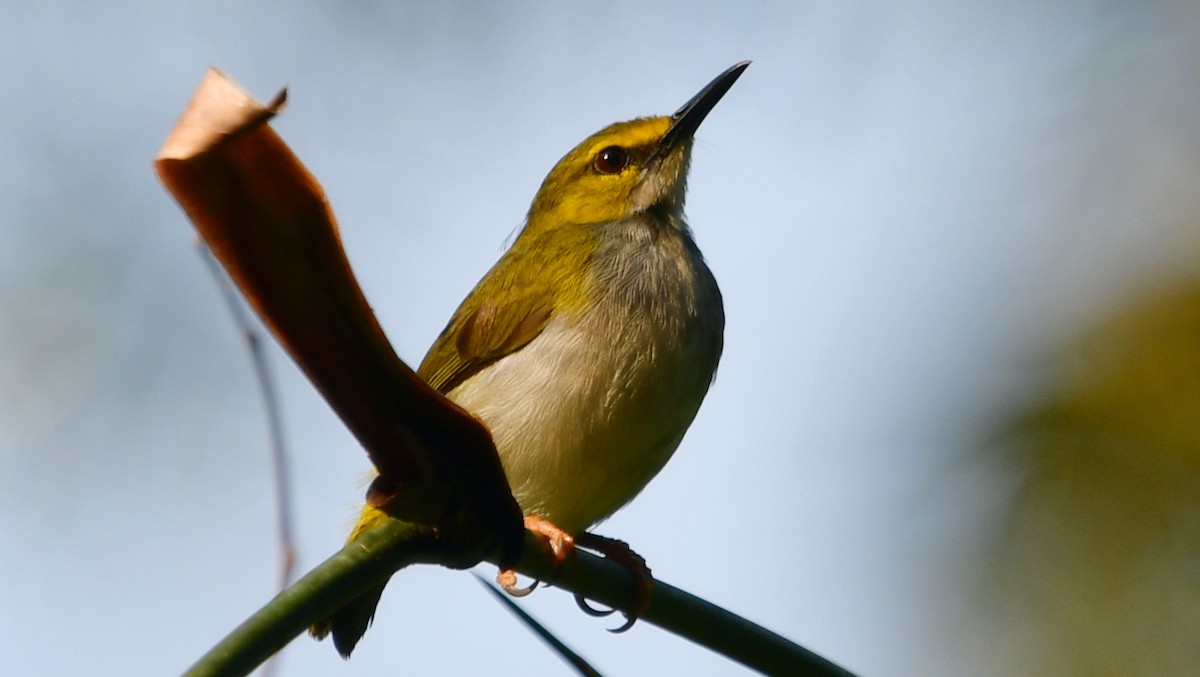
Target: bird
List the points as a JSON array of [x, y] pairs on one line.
[[588, 347]]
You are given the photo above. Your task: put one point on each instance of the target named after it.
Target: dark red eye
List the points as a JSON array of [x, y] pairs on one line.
[[611, 160]]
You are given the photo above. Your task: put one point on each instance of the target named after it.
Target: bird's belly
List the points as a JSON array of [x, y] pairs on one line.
[[586, 414]]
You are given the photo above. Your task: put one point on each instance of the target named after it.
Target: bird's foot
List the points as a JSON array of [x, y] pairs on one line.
[[561, 544], [643, 581]]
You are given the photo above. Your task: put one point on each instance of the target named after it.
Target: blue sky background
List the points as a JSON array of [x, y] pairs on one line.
[[906, 204]]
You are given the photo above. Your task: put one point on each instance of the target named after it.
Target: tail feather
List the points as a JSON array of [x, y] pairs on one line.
[[349, 623]]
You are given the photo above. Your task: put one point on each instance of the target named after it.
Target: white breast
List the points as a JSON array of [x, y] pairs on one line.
[[587, 413]]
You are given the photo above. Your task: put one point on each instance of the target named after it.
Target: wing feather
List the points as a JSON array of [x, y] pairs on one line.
[[481, 332]]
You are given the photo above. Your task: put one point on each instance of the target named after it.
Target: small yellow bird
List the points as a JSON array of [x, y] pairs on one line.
[[588, 348]]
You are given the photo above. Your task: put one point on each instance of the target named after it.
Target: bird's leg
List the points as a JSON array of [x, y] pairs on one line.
[[561, 544], [621, 553]]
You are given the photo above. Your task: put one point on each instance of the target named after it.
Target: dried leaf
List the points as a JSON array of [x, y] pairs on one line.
[[267, 221]]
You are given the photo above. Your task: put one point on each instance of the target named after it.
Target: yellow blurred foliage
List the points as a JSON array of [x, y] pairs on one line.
[[1096, 569]]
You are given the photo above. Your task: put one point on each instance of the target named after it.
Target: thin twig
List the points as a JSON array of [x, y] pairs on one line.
[[565, 652], [266, 385]]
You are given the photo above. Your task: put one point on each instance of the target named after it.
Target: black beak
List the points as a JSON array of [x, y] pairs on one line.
[[688, 118]]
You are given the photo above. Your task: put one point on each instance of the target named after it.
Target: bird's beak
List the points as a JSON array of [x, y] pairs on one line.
[[687, 119]]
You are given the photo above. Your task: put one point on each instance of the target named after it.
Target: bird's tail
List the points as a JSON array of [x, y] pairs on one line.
[[349, 623]]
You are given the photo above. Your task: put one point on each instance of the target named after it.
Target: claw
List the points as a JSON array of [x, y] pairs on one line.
[[507, 579], [629, 621], [590, 610], [643, 581], [522, 592], [561, 543]]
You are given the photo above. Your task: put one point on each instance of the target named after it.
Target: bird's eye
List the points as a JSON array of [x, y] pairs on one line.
[[611, 160]]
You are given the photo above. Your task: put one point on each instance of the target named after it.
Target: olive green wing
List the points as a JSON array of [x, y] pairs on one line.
[[485, 329]]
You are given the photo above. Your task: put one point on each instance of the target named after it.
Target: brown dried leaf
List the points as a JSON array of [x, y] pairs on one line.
[[267, 221]]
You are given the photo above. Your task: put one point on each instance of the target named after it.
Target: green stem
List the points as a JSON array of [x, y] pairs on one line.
[[393, 545], [678, 612], [370, 559]]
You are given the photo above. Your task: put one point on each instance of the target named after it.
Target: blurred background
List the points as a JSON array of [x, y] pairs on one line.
[[956, 429]]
